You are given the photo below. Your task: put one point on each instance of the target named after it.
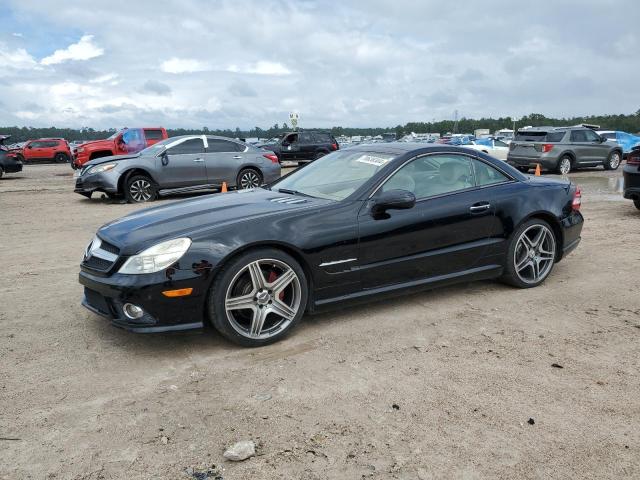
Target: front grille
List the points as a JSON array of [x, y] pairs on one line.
[[109, 248], [97, 263]]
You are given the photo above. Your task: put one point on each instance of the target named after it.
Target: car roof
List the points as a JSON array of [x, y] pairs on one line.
[[401, 148]]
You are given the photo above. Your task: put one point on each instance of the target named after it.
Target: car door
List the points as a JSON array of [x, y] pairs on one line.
[[34, 150], [581, 146], [446, 232], [290, 147], [182, 164], [500, 149], [222, 158], [598, 149], [307, 146]]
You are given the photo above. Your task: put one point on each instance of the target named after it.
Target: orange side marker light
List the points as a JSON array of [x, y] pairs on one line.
[[181, 292]]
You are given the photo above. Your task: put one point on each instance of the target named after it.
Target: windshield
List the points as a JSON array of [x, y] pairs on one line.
[[335, 176], [158, 146]]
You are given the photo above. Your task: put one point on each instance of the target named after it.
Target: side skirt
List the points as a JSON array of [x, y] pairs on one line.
[[474, 274]]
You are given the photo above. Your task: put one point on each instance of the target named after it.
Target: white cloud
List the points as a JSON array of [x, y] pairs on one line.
[[110, 78], [85, 49], [184, 65], [16, 59], [260, 68]]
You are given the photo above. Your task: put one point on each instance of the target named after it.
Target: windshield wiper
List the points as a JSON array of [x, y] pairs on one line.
[[294, 192]]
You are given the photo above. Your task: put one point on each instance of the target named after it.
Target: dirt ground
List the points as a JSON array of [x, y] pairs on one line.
[[441, 384]]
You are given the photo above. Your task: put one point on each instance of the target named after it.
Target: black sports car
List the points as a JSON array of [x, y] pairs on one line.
[[356, 224]]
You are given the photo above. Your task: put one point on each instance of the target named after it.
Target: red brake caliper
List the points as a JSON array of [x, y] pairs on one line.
[[272, 278]]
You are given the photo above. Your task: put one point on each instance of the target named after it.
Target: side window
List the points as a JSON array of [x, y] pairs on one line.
[[153, 134], [306, 138], [433, 175], [487, 175], [592, 136], [193, 145], [36, 144], [578, 136], [220, 146], [556, 136], [53, 143], [499, 143]]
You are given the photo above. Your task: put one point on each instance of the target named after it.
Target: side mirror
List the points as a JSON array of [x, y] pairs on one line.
[[29, 146], [602, 138], [393, 200], [164, 158]]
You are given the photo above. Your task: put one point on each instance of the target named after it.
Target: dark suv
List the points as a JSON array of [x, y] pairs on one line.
[[303, 146], [8, 163], [562, 149]]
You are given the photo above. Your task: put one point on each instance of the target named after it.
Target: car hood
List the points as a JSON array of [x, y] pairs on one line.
[[100, 160], [199, 216]]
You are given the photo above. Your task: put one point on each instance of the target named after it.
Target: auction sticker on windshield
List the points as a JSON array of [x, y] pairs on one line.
[[371, 160]]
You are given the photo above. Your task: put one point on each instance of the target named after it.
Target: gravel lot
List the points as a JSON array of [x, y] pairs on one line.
[[440, 384]]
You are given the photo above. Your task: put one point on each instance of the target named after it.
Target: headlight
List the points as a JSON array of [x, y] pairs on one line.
[[80, 150], [156, 258], [105, 167]]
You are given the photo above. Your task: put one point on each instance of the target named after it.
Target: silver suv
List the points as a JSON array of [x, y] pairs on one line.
[[562, 149]]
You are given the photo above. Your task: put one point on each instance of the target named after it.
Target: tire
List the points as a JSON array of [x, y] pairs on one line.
[[523, 169], [61, 158], [20, 158], [73, 166], [139, 189], [635, 202], [1, 172], [564, 165], [319, 155], [238, 283], [613, 160], [528, 263], [248, 178]]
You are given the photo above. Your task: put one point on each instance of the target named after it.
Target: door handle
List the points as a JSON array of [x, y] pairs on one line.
[[198, 160], [480, 207], [237, 157]]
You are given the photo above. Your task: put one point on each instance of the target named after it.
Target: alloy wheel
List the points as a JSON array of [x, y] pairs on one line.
[[249, 179], [534, 254], [614, 162], [141, 190], [565, 166], [263, 298]]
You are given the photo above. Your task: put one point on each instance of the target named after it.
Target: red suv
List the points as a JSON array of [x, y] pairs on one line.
[[123, 142], [43, 149]]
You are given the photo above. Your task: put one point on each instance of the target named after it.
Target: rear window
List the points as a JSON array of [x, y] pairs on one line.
[[153, 134], [221, 146], [539, 136]]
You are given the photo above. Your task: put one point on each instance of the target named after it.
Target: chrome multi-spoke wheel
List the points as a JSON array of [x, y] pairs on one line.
[[564, 166], [249, 179], [613, 161], [262, 298], [140, 189], [534, 254]]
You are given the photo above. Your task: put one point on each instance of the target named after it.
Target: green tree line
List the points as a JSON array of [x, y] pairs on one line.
[[628, 123]]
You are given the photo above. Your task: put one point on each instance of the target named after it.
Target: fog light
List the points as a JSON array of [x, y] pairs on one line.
[[132, 311]]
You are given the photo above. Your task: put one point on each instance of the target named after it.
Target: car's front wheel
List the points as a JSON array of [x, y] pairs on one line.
[[613, 161], [564, 165], [258, 297], [1, 172], [531, 254], [140, 188], [249, 178]]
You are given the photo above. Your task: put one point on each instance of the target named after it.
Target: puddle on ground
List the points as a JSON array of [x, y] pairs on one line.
[[608, 187]]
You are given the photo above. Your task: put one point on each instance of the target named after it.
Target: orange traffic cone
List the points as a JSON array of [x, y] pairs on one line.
[[224, 187], [538, 173]]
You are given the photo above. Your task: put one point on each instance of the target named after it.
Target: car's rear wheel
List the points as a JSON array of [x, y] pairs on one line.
[[140, 188], [61, 158], [613, 161], [564, 165], [319, 155], [531, 254], [249, 178], [1, 172], [635, 202], [258, 297]]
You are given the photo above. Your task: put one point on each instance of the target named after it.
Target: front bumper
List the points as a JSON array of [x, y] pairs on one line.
[[12, 167], [106, 297], [631, 176], [99, 182]]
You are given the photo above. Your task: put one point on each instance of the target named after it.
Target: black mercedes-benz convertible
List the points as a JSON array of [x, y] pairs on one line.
[[357, 224]]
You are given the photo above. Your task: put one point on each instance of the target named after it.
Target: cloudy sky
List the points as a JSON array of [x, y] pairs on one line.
[[227, 64]]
